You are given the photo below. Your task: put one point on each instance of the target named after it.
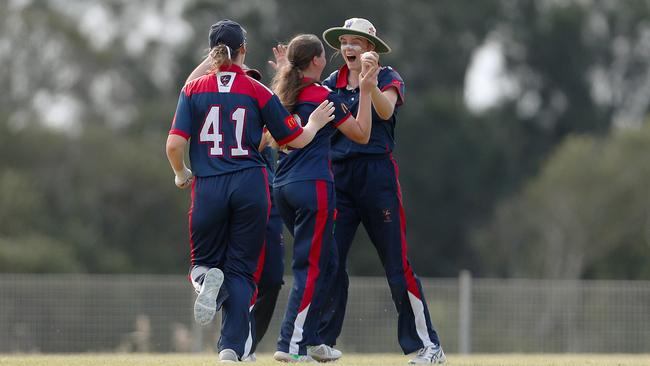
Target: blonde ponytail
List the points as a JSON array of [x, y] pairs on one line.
[[221, 55]]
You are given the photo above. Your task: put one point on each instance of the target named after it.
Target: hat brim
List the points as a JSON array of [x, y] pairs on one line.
[[331, 37]]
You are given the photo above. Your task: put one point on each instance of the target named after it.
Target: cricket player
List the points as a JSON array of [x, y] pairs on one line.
[[368, 192], [223, 114]]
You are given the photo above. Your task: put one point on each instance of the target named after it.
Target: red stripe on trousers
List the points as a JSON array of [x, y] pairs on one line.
[[411, 283], [316, 244], [193, 195], [258, 272], [260, 263]]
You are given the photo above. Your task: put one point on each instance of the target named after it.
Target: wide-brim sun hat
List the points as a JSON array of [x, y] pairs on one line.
[[357, 27]]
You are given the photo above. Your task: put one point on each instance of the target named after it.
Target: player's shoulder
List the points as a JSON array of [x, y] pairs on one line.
[[314, 93], [247, 85], [259, 88], [389, 72], [204, 84], [330, 81]]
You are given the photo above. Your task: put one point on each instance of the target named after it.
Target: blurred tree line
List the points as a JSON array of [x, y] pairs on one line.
[[549, 181]]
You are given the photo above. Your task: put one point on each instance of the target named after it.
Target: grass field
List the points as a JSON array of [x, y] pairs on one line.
[[349, 360]]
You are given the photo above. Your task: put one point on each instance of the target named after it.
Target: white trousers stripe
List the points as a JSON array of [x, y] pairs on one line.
[[298, 325], [249, 340], [420, 321]]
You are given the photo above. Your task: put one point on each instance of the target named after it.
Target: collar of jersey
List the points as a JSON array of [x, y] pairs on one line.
[[233, 68], [342, 78]]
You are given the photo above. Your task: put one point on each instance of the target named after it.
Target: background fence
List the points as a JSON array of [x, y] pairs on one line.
[[79, 313]]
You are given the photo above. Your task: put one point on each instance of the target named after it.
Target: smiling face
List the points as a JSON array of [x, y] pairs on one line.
[[351, 49]]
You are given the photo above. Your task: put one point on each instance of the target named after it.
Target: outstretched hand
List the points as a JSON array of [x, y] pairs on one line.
[[323, 114], [280, 54]]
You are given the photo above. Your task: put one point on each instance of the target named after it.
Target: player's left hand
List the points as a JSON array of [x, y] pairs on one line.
[[280, 54], [183, 179], [370, 57]]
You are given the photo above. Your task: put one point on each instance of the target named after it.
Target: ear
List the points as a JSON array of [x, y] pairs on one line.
[[316, 60]]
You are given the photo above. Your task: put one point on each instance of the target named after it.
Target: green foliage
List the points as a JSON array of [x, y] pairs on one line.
[[585, 215], [35, 253]]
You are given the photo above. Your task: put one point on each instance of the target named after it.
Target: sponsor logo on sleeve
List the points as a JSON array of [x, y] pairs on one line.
[[291, 122]]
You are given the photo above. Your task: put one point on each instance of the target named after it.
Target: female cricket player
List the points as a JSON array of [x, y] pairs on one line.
[[270, 267], [368, 192], [304, 193], [222, 114]]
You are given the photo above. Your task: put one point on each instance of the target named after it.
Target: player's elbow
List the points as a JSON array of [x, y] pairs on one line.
[[361, 138], [175, 145], [385, 114]]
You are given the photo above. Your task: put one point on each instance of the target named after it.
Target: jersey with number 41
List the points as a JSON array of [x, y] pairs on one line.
[[223, 115]]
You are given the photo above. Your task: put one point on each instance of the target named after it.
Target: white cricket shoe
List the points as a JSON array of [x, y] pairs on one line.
[[228, 356], [431, 354], [205, 305], [288, 357], [324, 353], [250, 358]]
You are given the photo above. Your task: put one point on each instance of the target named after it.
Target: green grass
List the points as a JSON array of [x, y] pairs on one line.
[[348, 360]]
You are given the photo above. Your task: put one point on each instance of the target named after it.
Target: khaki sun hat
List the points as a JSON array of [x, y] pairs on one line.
[[358, 27]]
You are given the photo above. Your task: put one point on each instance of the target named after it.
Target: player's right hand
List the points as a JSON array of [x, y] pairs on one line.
[[368, 78], [323, 114], [183, 179], [280, 54]]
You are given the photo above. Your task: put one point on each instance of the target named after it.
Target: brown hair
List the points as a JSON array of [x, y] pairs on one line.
[[221, 55], [288, 82]]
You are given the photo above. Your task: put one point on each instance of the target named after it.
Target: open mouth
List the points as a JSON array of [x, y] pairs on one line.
[[351, 58]]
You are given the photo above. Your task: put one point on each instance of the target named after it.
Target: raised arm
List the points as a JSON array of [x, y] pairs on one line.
[[358, 129], [200, 70], [384, 102]]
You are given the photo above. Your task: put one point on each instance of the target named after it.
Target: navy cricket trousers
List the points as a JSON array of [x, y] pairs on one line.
[[307, 209], [368, 192], [268, 276], [227, 222]]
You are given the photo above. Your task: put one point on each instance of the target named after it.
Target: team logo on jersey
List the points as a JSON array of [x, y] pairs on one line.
[[291, 122], [225, 79], [387, 215]]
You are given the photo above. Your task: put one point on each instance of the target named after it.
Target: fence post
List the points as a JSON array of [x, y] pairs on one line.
[[464, 312]]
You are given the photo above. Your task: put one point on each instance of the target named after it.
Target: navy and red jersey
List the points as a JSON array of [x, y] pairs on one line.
[[223, 115], [382, 136], [312, 162]]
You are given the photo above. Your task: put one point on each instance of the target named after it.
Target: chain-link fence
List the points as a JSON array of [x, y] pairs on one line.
[[127, 313]]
